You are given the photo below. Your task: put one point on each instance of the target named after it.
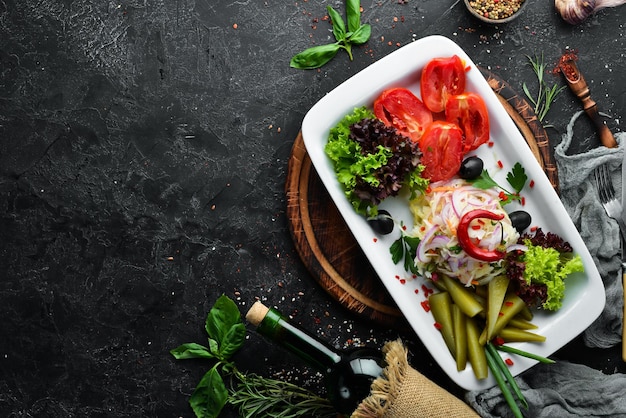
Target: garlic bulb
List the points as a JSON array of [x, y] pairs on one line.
[[576, 11]]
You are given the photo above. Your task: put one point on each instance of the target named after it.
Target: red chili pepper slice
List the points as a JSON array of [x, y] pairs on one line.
[[466, 243]]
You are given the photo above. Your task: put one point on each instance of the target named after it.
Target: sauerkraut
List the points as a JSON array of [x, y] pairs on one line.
[[436, 216]]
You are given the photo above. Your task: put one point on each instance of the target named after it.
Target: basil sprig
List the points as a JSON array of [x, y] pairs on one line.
[[346, 35], [226, 335]]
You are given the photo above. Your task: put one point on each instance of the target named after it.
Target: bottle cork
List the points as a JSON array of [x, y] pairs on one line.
[[256, 313]]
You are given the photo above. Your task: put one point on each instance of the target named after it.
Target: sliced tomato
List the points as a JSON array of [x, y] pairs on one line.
[[441, 78], [404, 111], [468, 110], [442, 150]]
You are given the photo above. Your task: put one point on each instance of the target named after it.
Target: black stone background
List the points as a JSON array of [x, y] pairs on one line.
[[143, 155]]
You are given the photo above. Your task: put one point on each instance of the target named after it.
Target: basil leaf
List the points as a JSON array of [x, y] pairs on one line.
[[233, 340], [191, 350], [222, 316], [314, 57], [339, 27], [210, 395], [214, 347], [361, 35], [353, 14]]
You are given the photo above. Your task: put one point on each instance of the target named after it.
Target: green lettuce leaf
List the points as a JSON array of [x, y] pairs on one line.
[[550, 267]]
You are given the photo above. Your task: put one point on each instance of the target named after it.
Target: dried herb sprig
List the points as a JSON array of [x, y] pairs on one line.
[[545, 94], [252, 394]]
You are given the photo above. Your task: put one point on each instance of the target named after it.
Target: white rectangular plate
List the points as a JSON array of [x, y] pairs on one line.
[[584, 299]]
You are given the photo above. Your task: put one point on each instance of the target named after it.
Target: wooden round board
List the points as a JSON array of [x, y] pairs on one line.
[[326, 244]]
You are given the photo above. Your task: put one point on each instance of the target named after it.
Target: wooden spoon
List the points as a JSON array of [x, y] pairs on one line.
[[579, 86]]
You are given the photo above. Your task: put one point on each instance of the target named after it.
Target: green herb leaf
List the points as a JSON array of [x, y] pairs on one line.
[[262, 397], [233, 340], [315, 56], [191, 350], [411, 244], [484, 181], [214, 347], [404, 248], [397, 250], [546, 95], [528, 94], [221, 317], [361, 35], [210, 396], [353, 14], [224, 325], [517, 177], [355, 34], [339, 27]]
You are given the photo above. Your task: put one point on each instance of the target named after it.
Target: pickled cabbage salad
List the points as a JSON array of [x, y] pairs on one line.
[[437, 214]]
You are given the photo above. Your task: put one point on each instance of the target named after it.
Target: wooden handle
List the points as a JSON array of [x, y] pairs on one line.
[[579, 87], [606, 136]]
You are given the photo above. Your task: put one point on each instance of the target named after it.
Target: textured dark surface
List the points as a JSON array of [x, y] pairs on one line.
[[143, 152]]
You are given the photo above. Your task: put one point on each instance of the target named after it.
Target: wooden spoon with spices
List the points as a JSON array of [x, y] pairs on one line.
[[578, 85]]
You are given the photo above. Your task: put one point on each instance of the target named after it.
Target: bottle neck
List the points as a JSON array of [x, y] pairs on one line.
[[315, 353]]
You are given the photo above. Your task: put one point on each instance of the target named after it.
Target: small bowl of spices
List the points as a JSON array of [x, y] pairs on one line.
[[495, 11]]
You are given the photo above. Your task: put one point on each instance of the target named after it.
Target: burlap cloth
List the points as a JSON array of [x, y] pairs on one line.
[[403, 392]]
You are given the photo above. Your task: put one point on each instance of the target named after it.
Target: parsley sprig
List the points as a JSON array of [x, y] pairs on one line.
[[517, 178], [346, 35], [404, 248]]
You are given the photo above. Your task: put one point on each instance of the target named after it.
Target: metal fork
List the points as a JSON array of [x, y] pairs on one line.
[[606, 192], [613, 208]]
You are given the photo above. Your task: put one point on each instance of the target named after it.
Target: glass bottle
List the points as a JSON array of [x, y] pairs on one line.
[[348, 374]]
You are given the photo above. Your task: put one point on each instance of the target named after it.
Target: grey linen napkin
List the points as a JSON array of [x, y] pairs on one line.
[[565, 389]]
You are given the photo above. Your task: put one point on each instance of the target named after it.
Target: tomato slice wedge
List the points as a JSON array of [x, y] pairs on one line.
[[441, 78], [442, 150], [401, 109], [468, 110]]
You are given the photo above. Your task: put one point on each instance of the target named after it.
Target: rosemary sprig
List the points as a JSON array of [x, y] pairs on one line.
[[545, 94], [258, 396]]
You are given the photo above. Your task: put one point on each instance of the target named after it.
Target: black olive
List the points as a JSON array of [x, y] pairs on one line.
[[381, 223], [471, 168], [520, 220]]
